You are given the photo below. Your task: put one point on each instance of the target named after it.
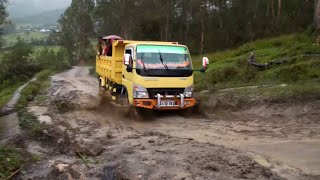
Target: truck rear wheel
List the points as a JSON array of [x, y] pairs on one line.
[[99, 80]]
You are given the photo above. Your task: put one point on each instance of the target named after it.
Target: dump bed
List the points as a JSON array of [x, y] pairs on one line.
[[111, 66]]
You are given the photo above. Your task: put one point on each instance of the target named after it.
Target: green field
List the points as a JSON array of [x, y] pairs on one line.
[[39, 48], [10, 39]]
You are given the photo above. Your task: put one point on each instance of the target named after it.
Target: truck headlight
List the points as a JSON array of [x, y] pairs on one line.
[[140, 92], [188, 92]]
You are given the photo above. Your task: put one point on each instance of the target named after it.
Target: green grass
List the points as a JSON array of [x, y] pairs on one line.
[[12, 160], [229, 69], [27, 120], [39, 48], [34, 88], [7, 92]]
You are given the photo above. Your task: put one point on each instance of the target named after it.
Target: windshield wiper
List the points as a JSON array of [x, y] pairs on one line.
[[161, 60], [144, 66]]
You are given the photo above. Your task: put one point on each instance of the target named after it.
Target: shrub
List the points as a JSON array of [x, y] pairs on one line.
[[43, 74], [223, 73]]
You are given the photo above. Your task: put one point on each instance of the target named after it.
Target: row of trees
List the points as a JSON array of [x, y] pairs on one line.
[[3, 16], [203, 25], [316, 13]]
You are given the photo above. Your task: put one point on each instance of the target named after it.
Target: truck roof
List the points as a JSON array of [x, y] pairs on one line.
[[147, 43]]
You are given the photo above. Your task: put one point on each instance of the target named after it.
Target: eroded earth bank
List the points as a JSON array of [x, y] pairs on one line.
[[89, 138]]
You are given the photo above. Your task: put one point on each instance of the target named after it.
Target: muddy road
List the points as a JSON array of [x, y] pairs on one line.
[[93, 139]]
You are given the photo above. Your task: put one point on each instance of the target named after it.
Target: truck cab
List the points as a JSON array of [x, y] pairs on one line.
[[158, 76]]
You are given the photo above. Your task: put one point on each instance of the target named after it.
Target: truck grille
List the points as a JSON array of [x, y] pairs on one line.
[[164, 91]]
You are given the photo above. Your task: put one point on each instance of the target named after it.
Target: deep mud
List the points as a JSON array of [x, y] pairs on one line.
[[93, 139]]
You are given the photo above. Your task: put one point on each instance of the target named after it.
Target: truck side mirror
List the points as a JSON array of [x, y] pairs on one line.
[[126, 59], [205, 63]]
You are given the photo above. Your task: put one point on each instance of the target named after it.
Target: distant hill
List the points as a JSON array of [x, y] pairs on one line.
[[27, 8], [44, 18]]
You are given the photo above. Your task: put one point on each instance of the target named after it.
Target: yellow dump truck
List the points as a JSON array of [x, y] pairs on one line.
[[150, 75]]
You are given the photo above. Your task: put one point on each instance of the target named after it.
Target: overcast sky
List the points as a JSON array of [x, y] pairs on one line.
[[29, 7]]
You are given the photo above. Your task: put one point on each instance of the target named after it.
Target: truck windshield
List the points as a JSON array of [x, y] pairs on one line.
[[162, 60]]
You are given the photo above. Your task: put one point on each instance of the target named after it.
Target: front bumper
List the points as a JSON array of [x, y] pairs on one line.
[[180, 102]]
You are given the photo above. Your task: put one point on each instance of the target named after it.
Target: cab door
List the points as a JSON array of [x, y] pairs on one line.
[[127, 77]]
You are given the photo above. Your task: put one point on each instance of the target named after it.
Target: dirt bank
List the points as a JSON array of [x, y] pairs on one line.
[[91, 139]]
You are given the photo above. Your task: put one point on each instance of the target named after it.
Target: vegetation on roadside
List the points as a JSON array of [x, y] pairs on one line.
[[7, 93], [11, 160], [27, 120], [299, 68], [21, 62]]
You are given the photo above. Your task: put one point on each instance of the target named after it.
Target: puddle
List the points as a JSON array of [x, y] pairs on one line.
[[9, 124], [9, 127], [109, 173]]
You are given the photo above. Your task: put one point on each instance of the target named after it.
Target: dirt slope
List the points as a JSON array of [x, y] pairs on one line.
[[94, 140]]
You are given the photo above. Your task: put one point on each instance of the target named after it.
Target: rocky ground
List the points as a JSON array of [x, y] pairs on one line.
[[89, 138]]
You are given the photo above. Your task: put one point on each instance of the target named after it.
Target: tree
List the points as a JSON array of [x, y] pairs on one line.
[[76, 27], [317, 14], [203, 25], [17, 61], [3, 16]]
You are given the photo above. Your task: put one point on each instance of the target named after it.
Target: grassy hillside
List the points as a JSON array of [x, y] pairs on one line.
[[298, 75]]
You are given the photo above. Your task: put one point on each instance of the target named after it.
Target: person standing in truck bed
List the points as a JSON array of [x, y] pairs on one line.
[[99, 46]]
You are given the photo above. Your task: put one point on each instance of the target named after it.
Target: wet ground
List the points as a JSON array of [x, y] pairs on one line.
[[9, 125], [96, 140]]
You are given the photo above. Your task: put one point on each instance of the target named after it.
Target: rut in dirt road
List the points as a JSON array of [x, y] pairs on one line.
[[76, 88]]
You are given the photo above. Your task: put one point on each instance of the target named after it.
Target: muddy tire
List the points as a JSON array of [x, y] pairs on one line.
[[123, 99], [100, 82]]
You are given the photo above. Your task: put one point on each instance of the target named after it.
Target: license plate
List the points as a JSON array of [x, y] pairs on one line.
[[167, 103]]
